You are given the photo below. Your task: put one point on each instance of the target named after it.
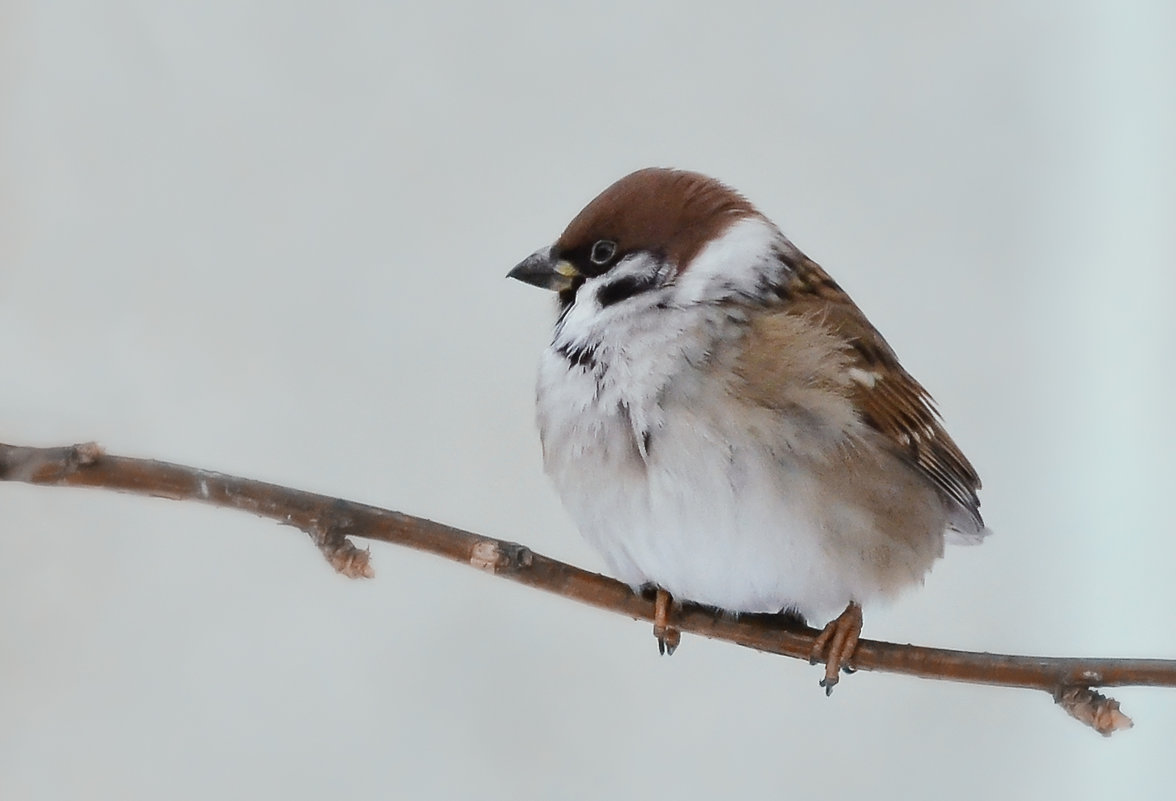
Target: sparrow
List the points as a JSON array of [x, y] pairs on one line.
[[724, 424]]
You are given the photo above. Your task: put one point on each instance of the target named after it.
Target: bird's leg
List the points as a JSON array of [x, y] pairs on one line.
[[668, 637], [836, 644]]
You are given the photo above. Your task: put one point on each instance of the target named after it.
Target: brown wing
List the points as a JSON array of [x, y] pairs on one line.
[[886, 396]]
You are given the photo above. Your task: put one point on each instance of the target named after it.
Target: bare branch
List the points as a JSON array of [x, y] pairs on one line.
[[330, 521]]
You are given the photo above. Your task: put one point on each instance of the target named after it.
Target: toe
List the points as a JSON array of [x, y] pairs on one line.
[[836, 644]]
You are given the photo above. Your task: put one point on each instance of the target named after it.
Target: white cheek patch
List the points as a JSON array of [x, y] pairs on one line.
[[641, 265], [737, 262], [589, 317]]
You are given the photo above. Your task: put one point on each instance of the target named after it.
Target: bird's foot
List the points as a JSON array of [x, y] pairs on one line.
[[835, 645], [668, 637]]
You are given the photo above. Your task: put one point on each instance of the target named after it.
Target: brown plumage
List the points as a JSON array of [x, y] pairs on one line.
[[671, 212], [886, 396]]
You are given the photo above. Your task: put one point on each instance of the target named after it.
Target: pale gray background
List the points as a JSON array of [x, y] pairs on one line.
[[270, 239]]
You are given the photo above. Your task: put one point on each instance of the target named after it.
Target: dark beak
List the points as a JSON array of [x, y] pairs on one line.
[[544, 270]]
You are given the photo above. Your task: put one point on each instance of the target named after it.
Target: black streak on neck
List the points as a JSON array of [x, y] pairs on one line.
[[579, 355]]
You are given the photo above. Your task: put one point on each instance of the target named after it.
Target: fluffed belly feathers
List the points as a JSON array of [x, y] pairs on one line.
[[742, 514]]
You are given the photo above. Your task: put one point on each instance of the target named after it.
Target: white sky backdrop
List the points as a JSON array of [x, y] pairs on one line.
[[270, 239]]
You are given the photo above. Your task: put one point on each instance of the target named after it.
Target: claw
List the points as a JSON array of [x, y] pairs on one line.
[[836, 644], [668, 637]]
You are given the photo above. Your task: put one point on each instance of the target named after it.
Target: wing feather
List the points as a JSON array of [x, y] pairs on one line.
[[885, 395]]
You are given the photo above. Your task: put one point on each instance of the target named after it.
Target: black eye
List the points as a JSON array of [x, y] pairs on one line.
[[603, 251]]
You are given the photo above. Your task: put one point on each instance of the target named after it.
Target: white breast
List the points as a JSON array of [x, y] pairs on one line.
[[707, 514]]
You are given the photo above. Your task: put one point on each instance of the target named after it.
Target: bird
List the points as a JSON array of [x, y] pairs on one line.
[[726, 427]]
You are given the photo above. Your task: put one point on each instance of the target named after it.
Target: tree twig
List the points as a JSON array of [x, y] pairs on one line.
[[330, 521]]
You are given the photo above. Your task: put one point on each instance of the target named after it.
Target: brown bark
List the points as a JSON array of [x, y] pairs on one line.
[[330, 521]]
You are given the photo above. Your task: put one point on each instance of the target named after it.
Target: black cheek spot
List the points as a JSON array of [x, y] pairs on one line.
[[624, 288]]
